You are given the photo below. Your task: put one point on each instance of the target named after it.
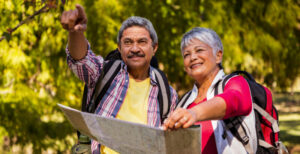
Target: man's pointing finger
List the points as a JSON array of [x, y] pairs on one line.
[[81, 13]]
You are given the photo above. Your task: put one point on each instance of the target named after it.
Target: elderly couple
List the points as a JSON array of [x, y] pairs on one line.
[[132, 95]]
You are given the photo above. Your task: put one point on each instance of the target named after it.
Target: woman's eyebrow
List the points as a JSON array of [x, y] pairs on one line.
[[199, 46]]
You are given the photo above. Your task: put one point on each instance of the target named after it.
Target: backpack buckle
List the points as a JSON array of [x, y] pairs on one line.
[[245, 139]]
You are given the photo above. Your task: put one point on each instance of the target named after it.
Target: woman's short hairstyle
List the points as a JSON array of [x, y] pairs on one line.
[[138, 21], [204, 35]]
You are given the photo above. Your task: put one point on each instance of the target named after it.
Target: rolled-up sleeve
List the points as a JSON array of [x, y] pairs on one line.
[[237, 96], [87, 69]]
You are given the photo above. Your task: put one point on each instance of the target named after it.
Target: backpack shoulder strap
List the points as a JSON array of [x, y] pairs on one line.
[[220, 85], [84, 98], [184, 99], [265, 114], [109, 72], [164, 94], [246, 74]]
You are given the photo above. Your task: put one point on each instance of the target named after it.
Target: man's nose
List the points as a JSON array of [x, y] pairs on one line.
[[135, 47]]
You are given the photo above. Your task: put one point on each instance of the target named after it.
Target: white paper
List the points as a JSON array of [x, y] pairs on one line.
[[127, 137]]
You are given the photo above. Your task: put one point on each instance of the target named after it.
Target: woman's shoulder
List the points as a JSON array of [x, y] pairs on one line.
[[236, 81]]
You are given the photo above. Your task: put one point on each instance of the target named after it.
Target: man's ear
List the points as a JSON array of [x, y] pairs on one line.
[[219, 56], [119, 48], [155, 49]]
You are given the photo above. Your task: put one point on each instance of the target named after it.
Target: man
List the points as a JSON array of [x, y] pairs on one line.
[[133, 94]]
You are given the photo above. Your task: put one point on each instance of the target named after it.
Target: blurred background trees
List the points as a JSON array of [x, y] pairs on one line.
[[261, 37]]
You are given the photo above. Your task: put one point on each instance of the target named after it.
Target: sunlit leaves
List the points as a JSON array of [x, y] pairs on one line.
[[34, 77]]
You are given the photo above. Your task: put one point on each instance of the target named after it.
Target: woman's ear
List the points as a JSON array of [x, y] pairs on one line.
[[219, 56]]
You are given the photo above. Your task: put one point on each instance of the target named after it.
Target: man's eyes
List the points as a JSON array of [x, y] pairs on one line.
[[130, 42], [142, 41], [127, 42]]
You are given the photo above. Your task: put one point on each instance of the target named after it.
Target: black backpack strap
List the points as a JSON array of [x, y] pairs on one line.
[[110, 70], [164, 94], [84, 98], [113, 55], [183, 99]]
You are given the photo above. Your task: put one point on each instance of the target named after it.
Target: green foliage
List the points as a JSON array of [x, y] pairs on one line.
[[34, 78], [255, 34], [261, 37]]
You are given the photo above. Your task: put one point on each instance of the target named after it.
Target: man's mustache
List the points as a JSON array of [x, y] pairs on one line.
[[136, 54]]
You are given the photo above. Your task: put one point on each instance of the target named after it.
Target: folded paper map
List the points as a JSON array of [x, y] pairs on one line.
[[132, 138]]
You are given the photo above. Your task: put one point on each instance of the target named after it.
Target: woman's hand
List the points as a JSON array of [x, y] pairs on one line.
[[180, 118]]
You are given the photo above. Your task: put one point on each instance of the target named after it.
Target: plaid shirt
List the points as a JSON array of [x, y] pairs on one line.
[[88, 70]]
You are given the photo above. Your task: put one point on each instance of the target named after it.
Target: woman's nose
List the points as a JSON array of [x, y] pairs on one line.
[[193, 56]]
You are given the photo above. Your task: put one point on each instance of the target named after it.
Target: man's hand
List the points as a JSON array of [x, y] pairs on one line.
[[74, 20]]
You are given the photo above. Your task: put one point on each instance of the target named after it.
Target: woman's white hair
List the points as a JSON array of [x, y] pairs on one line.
[[204, 35]]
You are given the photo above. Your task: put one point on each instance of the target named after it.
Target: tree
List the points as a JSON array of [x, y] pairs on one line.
[[34, 77]]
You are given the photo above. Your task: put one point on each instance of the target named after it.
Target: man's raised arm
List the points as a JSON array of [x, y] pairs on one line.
[[75, 22]]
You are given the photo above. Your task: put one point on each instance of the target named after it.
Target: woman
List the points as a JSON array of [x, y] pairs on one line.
[[202, 52]]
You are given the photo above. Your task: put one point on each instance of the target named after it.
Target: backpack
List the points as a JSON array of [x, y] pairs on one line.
[[266, 116]]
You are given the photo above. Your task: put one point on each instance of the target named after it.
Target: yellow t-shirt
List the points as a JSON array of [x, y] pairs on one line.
[[134, 107]]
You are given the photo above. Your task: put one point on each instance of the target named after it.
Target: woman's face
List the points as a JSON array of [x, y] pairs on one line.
[[199, 60]]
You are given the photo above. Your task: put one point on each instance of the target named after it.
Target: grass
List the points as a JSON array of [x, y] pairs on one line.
[[289, 120]]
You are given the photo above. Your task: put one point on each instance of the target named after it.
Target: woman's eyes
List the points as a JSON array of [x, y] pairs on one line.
[[199, 50], [185, 55]]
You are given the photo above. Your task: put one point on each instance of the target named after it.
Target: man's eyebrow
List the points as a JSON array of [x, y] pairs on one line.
[[127, 38], [143, 38]]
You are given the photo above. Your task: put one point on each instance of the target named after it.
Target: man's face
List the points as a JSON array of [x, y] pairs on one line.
[[136, 48]]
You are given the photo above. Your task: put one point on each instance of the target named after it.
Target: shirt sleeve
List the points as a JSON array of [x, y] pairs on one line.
[[174, 99], [237, 96], [87, 69]]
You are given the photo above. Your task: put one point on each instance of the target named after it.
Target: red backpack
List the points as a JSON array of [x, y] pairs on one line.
[[266, 116]]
